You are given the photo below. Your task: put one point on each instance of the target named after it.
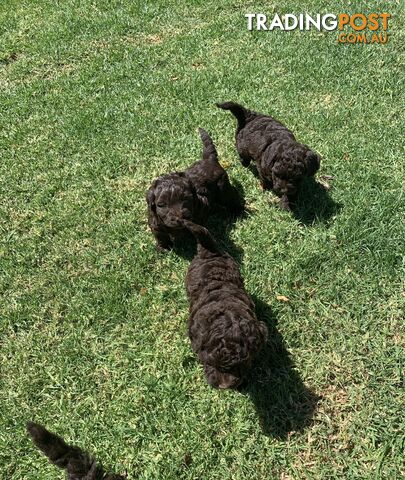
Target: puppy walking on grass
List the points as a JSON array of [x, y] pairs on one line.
[[281, 161], [223, 328], [78, 464], [189, 195]]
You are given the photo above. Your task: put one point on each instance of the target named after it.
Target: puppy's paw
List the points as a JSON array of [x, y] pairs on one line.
[[285, 203], [265, 184], [163, 248]]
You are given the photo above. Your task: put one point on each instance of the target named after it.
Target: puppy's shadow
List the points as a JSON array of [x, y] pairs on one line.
[[282, 401], [185, 247], [314, 204], [220, 224]]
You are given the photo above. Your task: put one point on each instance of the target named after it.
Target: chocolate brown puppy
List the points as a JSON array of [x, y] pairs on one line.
[[281, 161], [78, 464], [223, 328], [189, 195]]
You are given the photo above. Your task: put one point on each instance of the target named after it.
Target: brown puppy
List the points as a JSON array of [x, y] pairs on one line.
[[189, 195], [281, 161], [223, 328]]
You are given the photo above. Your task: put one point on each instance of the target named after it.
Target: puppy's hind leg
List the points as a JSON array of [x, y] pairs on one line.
[[243, 152], [265, 182]]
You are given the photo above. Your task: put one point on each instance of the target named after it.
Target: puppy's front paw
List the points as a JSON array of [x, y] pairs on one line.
[[285, 203], [265, 184], [163, 248]]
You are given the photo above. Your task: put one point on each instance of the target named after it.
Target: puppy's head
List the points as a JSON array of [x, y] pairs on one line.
[[171, 199], [228, 355], [292, 165]]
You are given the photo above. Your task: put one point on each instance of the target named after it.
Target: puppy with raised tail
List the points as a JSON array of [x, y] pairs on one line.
[[281, 161], [222, 326], [189, 195]]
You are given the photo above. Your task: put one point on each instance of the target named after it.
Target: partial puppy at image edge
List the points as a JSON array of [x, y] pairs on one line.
[[190, 195], [282, 162], [77, 463], [223, 328]]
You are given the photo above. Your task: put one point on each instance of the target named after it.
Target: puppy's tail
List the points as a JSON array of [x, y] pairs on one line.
[[209, 150], [202, 235], [242, 114], [79, 465]]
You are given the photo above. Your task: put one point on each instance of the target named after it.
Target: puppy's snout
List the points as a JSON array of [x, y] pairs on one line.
[[173, 220], [288, 189], [229, 381], [224, 386], [179, 213]]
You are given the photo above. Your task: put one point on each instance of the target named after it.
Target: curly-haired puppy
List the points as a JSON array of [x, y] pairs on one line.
[[78, 464], [223, 328], [189, 195], [281, 161]]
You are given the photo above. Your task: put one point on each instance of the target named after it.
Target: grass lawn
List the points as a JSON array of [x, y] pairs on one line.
[[99, 97]]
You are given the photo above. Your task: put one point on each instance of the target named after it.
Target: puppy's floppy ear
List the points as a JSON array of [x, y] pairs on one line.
[[259, 336], [151, 197], [203, 356], [263, 331], [312, 163]]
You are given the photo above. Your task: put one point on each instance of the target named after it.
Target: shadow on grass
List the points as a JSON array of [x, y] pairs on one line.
[[313, 203], [220, 224], [282, 401]]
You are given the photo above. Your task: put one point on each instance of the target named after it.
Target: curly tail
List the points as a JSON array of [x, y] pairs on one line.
[[79, 465], [202, 235], [209, 150], [242, 114]]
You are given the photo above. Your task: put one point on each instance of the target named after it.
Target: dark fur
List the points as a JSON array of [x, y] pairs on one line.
[[281, 161], [189, 195], [223, 328], [78, 464]]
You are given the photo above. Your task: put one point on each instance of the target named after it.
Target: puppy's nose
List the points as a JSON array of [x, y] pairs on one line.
[[231, 383]]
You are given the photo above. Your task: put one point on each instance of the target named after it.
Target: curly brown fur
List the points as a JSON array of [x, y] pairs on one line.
[[189, 195], [281, 161], [223, 328], [78, 464]]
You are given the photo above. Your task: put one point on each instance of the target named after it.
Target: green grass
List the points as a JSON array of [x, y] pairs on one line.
[[97, 99]]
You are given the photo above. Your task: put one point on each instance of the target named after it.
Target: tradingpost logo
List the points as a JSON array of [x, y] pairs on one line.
[[353, 28]]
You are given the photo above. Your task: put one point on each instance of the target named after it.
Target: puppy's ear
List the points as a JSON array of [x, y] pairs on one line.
[[263, 331], [203, 356], [151, 197], [312, 163]]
